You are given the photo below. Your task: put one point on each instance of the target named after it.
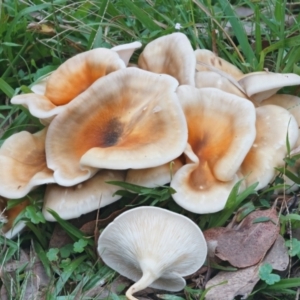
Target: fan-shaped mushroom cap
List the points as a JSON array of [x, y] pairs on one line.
[[72, 202], [125, 51], [135, 122], [170, 54], [154, 247], [153, 177], [72, 78], [76, 74], [8, 217], [214, 80], [290, 103], [273, 123], [221, 130], [197, 189], [23, 164], [262, 85], [206, 59]]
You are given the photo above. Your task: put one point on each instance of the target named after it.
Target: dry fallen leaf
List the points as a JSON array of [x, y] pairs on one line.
[[278, 256], [247, 244], [59, 237], [41, 28], [242, 282], [211, 236]]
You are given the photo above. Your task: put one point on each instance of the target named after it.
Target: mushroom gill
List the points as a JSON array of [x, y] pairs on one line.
[[137, 245]]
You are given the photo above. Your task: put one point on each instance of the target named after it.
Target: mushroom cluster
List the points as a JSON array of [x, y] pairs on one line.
[[180, 116]]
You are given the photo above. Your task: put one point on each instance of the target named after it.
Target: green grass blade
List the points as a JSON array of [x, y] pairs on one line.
[[68, 271], [6, 88], [284, 284], [291, 59], [234, 200], [239, 32], [12, 248], [40, 236], [289, 174], [258, 39], [141, 16], [43, 257], [290, 217], [95, 39], [131, 187], [24, 12], [73, 232], [285, 43]]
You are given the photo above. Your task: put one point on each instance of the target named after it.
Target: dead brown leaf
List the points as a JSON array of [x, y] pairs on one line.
[[278, 256], [212, 236], [59, 237], [247, 244], [242, 282]]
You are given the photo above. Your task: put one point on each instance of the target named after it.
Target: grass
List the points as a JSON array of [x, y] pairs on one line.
[[37, 36]]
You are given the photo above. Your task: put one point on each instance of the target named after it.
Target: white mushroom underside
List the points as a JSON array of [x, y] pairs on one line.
[[139, 241]]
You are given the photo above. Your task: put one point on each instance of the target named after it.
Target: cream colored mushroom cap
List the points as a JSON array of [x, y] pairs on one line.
[[153, 177], [154, 247], [214, 80], [23, 164], [273, 123], [135, 122], [290, 103], [170, 54], [125, 51], [70, 79], [197, 189], [221, 128], [72, 202], [206, 58], [77, 73], [262, 85]]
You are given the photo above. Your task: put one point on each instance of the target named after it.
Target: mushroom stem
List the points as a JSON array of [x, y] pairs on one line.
[[145, 281]]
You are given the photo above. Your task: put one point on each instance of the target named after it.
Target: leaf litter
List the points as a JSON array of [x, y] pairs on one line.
[[242, 282], [256, 248]]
